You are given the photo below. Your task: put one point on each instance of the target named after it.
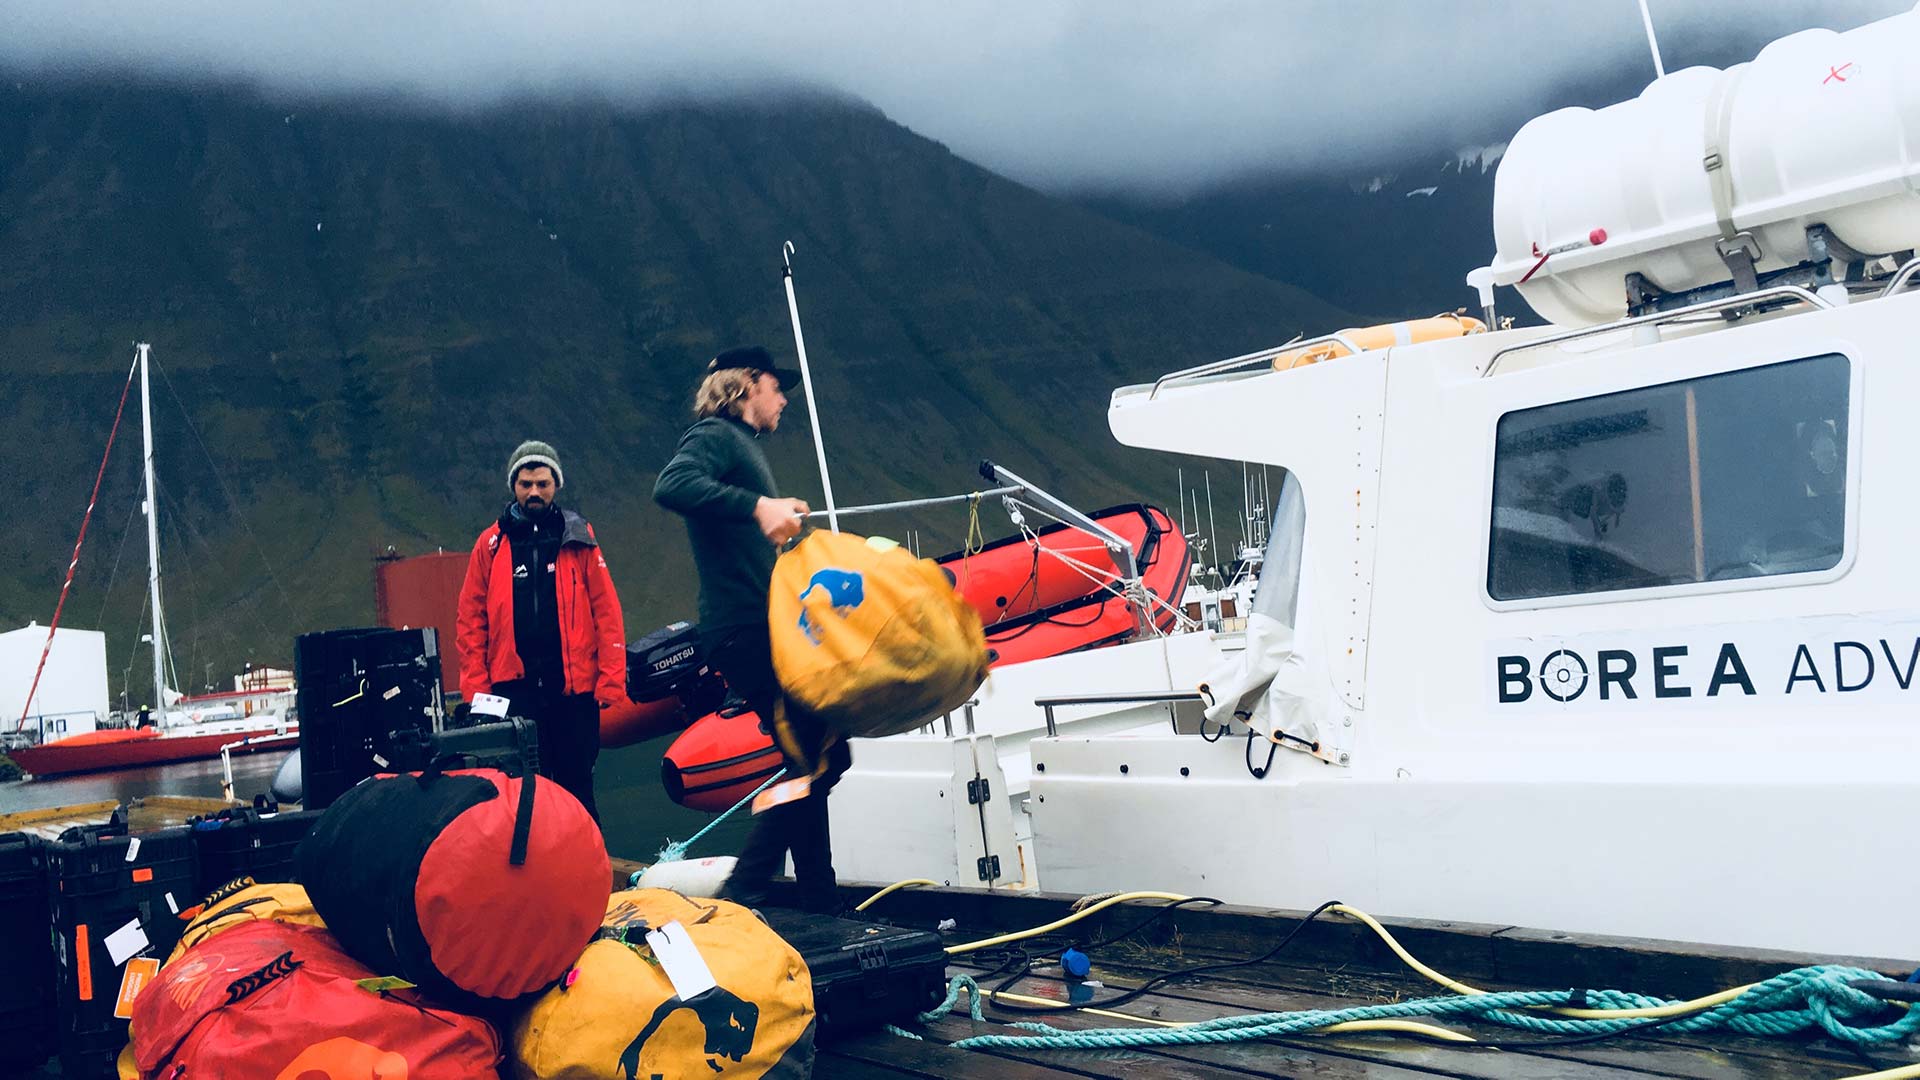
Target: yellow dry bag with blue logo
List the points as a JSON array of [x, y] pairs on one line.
[[870, 639], [715, 994]]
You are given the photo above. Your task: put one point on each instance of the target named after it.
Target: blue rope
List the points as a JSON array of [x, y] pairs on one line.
[[677, 849], [1799, 1000]]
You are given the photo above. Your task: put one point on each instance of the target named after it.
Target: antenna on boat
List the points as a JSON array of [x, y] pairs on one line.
[[1180, 486], [153, 539], [1246, 504], [1653, 40], [1213, 539], [806, 383]]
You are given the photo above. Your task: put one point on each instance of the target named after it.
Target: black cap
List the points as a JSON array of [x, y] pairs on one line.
[[754, 358]]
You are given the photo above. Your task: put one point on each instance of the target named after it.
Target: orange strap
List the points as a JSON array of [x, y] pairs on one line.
[[83, 961]]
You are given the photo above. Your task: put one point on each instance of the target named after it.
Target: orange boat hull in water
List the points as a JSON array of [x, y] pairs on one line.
[[97, 751]]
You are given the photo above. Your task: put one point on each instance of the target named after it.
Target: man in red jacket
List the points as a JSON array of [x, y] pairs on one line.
[[540, 623]]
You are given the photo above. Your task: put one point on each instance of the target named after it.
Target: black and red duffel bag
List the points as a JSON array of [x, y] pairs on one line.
[[477, 886]]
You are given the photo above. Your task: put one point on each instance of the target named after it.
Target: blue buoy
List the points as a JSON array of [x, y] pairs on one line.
[[1075, 963]]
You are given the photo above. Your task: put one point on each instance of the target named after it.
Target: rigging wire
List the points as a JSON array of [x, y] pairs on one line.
[[1110, 581], [133, 650], [185, 570], [113, 575], [183, 521], [74, 563], [232, 504]]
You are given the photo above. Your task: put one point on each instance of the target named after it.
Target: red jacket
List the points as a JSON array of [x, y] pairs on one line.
[[593, 637]]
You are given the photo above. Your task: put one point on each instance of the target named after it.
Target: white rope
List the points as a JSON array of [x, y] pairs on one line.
[[1089, 571], [1111, 585]]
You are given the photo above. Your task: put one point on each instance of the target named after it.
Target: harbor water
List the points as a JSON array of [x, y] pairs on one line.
[[636, 815]]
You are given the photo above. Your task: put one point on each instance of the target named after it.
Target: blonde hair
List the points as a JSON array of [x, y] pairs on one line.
[[721, 391]]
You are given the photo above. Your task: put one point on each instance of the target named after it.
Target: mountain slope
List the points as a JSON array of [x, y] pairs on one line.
[[1393, 246], [358, 310]]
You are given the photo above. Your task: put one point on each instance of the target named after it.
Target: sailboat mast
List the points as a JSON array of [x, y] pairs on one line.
[[153, 541]]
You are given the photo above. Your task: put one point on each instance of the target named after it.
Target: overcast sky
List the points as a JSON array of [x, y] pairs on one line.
[[1066, 95]]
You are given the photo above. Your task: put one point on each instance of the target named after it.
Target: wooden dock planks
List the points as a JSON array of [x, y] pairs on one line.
[[1338, 965]]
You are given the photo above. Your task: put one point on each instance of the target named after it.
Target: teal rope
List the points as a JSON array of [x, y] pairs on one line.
[[1799, 1000], [954, 986], [677, 849]]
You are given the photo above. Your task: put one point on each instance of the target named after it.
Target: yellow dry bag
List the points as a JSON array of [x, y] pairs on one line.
[[620, 1013], [869, 638]]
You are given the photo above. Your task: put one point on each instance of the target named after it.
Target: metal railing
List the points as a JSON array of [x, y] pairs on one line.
[[1902, 279], [1221, 367], [226, 759], [917, 504], [1776, 292], [946, 718], [1172, 699]]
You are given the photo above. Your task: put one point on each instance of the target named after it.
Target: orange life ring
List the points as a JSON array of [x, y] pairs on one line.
[[1382, 336]]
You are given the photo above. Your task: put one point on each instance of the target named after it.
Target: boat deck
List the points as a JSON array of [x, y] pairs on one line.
[[1337, 963]]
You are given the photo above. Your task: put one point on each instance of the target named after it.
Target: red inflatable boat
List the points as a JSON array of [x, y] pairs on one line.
[[1054, 593]]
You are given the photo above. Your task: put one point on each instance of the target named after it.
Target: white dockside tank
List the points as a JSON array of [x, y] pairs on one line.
[[1820, 128]]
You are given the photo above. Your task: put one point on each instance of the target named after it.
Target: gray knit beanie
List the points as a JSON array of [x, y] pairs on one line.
[[535, 452]]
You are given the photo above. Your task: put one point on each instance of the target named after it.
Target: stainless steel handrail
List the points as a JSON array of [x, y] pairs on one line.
[[1902, 279], [1145, 697], [1775, 292], [1219, 367], [966, 707]]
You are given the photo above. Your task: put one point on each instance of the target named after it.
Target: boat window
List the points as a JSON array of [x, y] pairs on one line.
[[1737, 475]]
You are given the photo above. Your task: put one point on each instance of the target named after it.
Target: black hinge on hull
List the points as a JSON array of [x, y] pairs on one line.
[[989, 867], [978, 791]]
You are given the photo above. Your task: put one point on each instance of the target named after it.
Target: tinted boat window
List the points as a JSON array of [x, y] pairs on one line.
[[1737, 475]]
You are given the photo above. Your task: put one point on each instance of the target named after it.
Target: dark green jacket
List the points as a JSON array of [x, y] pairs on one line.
[[717, 476]]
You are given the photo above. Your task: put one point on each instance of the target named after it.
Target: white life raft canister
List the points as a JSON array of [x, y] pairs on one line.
[[1820, 128]]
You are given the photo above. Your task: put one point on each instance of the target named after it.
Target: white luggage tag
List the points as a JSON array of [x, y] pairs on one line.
[[681, 960], [490, 705], [123, 943]]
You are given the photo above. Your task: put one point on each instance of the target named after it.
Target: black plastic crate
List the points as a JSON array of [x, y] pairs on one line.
[[253, 843], [358, 687], [107, 889], [27, 1009], [864, 974]]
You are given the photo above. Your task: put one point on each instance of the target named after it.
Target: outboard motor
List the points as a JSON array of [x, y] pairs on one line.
[[670, 663]]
